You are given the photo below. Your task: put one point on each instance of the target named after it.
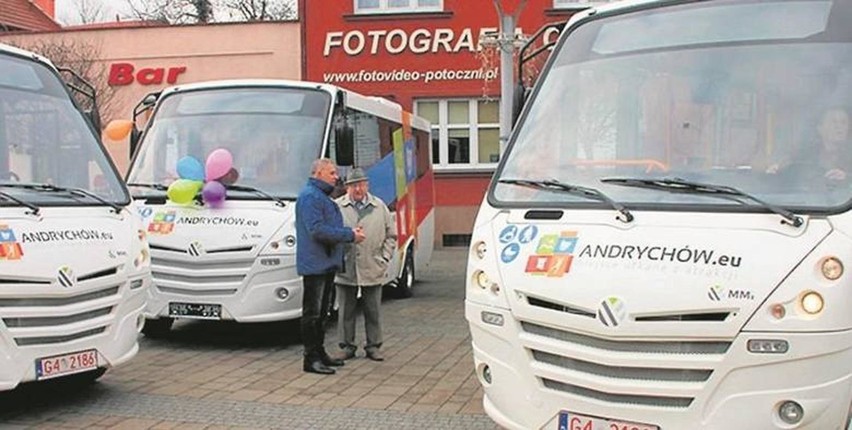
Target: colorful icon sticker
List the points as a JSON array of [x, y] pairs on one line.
[[553, 255], [528, 233], [508, 234], [612, 311], [163, 223], [510, 252], [10, 248]]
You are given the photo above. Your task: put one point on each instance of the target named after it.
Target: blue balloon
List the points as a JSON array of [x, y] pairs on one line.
[[190, 168]]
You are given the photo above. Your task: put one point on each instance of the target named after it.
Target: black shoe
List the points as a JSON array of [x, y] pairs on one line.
[[329, 361], [375, 355], [318, 367], [346, 353]]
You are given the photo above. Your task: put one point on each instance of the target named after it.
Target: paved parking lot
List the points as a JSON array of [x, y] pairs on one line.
[[219, 375]]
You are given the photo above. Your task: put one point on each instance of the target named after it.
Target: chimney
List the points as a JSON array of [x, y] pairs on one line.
[[48, 6]]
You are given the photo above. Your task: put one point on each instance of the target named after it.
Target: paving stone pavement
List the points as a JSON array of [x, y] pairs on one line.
[[220, 375]]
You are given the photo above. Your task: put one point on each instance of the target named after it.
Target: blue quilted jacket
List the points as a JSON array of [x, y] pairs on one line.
[[320, 232]]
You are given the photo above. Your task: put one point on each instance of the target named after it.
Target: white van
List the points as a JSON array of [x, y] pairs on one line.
[[664, 244], [74, 264], [235, 260]]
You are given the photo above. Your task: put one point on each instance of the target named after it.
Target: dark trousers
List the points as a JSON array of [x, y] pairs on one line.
[[371, 299], [316, 302]]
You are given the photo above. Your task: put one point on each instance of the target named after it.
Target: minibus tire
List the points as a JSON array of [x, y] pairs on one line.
[[405, 284], [159, 327]]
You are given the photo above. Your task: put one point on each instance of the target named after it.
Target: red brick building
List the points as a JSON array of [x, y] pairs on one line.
[[27, 15], [425, 55]]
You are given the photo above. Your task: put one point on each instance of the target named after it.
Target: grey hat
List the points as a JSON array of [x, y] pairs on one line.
[[356, 175]]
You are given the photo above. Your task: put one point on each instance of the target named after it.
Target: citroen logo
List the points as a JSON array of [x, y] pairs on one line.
[[66, 277], [195, 249]]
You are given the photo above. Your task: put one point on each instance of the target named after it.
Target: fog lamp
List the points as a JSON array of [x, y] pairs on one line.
[[768, 346], [832, 268], [791, 412], [812, 302], [282, 293], [492, 318], [482, 279], [486, 374], [479, 249]]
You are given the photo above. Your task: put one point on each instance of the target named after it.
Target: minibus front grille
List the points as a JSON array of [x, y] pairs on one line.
[[190, 292], [623, 372], [697, 317], [642, 347], [202, 264], [622, 399], [99, 274], [48, 340], [670, 372], [546, 304], [57, 301], [46, 321], [197, 279]]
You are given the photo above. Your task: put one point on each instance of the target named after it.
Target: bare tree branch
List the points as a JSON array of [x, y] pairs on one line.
[[260, 10], [173, 11], [90, 11], [79, 56]]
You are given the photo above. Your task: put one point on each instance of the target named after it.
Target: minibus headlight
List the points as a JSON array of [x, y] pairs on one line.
[[482, 279], [479, 249], [812, 302], [832, 268], [142, 260]]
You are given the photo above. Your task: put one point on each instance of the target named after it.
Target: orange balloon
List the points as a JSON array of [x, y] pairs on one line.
[[119, 129]]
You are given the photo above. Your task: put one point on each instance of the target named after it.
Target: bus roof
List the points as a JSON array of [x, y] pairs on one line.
[[9, 49], [376, 105]]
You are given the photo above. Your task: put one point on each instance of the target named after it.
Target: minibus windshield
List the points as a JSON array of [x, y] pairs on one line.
[[273, 135], [754, 95], [44, 139]]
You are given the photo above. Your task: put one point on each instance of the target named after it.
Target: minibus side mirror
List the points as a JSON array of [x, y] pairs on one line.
[[344, 146]]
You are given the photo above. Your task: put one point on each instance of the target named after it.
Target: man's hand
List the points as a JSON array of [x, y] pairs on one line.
[[359, 234]]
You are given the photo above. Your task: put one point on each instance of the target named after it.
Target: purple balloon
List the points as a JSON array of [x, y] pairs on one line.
[[213, 193]]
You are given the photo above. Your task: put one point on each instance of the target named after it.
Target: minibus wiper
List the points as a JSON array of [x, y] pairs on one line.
[[577, 190], [677, 185], [33, 208], [70, 190], [249, 189], [158, 187]]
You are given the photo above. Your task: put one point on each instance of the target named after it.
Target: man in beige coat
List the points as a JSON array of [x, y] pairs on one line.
[[365, 264]]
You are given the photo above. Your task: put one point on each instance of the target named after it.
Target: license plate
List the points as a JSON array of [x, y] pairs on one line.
[[60, 365], [572, 421], [195, 310]]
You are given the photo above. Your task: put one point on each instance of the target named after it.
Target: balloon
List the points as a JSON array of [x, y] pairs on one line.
[[219, 162], [213, 193], [190, 168], [231, 177], [119, 129], [183, 190]]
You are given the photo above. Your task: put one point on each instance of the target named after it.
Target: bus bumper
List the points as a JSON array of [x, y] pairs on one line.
[[744, 391], [257, 299]]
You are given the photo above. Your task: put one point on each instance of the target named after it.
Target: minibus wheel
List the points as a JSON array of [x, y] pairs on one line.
[[405, 283], [159, 327]]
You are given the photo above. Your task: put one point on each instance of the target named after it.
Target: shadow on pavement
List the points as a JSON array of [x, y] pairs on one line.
[[229, 335]]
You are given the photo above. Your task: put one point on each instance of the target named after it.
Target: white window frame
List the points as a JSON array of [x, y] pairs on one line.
[[443, 127], [385, 8], [577, 4]]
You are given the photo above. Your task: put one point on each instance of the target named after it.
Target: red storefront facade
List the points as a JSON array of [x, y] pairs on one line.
[[426, 55]]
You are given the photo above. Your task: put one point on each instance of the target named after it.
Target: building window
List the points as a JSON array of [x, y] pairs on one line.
[[465, 132], [576, 4], [398, 6]]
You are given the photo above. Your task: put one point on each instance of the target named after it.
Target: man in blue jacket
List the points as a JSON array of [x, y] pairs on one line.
[[319, 255]]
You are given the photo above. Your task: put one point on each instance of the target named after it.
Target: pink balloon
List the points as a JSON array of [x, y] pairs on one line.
[[213, 193], [219, 162]]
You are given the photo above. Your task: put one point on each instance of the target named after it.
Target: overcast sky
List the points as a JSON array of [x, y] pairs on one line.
[[67, 10]]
